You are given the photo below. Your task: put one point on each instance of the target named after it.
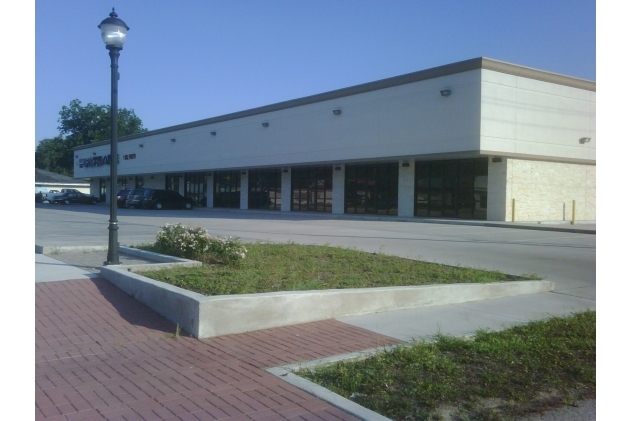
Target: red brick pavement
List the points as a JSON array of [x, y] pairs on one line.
[[100, 354]]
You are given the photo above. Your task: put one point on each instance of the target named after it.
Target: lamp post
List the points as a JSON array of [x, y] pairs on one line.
[[114, 34]]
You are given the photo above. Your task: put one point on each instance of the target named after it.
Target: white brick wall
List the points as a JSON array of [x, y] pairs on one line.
[[543, 191]]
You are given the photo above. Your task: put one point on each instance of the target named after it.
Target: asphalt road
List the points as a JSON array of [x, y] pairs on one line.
[[568, 259]]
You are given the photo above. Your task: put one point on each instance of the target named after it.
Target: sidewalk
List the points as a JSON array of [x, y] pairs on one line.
[[100, 354]]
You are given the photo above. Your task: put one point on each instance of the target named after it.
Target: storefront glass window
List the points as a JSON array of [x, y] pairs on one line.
[[452, 189], [312, 189], [227, 189], [195, 187], [172, 183], [372, 189], [264, 189]]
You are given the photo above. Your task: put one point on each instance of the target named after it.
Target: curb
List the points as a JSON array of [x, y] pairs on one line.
[[286, 373], [209, 316]]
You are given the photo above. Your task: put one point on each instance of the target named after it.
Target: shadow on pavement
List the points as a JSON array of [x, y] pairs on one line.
[[133, 311]]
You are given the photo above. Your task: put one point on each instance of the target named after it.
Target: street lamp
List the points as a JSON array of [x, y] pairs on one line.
[[114, 34]]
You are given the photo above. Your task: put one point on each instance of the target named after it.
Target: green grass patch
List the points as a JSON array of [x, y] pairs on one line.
[[293, 267], [492, 376]]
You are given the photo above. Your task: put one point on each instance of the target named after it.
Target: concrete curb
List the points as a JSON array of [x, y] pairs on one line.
[[326, 395], [286, 373], [55, 250], [209, 316]]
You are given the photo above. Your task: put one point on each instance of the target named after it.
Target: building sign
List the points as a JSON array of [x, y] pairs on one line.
[[98, 161]]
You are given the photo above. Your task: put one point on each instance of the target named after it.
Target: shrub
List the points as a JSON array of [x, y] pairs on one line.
[[190, 243]]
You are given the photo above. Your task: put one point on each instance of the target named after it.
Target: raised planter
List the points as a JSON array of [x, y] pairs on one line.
[[205, 316]]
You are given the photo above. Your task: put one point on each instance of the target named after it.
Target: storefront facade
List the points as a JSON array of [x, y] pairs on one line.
[[469, 140]]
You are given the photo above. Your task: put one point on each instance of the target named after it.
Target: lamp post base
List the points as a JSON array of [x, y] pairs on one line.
[[113, 246]]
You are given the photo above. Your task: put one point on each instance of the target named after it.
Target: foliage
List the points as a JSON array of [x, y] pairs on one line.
[[81, 125], [495, 375], [294, 267], [182, 241], [55, 156]]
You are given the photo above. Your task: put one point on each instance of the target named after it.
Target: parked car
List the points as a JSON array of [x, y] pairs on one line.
[[51, 193], [121, 198], [134, 198], [161, 199], [75, 197]]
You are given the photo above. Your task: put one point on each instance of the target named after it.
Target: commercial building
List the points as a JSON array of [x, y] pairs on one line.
[[477, 139]]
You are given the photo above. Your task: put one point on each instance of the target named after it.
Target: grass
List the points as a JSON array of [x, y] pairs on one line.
[[492, 376], [293, 267]]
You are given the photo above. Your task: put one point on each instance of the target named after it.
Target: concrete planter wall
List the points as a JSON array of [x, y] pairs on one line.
[[205, 316]]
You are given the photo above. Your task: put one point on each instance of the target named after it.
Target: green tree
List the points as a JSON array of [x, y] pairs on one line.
[[53, 155], [81, 125]]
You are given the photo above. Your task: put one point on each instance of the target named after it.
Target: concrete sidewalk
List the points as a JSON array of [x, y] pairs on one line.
[[100, 354]]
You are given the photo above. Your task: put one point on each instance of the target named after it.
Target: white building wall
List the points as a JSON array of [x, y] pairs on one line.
[[95, 189], [154, 181], [543, 191], [410, 119], [527, 118]]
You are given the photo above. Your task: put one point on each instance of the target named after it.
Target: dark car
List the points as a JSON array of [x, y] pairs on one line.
[[161, 199], [75, 197], [121, 197], [134, 198]]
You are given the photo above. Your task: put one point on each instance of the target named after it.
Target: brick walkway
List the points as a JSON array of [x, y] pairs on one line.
[[100, 354]]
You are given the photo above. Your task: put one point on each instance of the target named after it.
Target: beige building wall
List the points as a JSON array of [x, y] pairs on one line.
[[543, 191]]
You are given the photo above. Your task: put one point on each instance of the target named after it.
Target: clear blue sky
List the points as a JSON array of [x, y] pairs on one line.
[[185, 61]]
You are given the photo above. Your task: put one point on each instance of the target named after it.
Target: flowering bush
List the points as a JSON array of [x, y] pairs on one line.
[[181, 241]]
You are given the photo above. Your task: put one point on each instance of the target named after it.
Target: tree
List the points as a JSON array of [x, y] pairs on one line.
[[52, 155], [81, 125]]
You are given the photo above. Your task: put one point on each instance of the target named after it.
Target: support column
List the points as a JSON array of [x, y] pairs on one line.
[[210, 190], [406, 187], [244, 189], [285, 190], [339, 180], [181, 185]]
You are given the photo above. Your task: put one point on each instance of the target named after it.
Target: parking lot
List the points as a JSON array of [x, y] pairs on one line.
[[568, 259]]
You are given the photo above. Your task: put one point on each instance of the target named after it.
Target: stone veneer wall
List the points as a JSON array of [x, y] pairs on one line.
[[543, 191]]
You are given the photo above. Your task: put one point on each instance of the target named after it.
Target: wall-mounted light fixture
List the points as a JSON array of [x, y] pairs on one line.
[[338, 168], [213, 133], [141, 145], [151, 177], [243, 173], [76, 156], [584, 140], [93, 153], [445, 92], [265, 124], [497, 159], [405, 164], [173, 140], [337, 112]]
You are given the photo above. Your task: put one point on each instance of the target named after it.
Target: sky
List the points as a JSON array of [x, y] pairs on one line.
[[196, 59]]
